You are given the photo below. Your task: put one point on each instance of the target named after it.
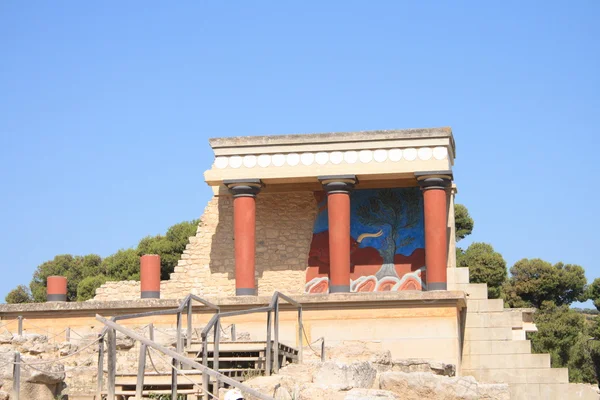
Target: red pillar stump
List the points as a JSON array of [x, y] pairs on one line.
[[150, 276], [56, 288], [436, 245], [338, 190], [244, 233]]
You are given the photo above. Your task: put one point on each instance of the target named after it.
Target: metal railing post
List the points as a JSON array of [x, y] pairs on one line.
[[20, 326], [139, 386], [112, 363], [17, 377], [205, 377], [151, 331], [276, 336], [233, 333], [300, 336], [269, 344], [100, 377], [189, 324], [174, 379], [68, 335], [322, 349], [216, 352], [179, 340]]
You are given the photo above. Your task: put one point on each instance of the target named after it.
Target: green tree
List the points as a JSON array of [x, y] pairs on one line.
[[564, 334], [170, 246], [463, 222], [485, 266], [593, 293], [87, 287], [20, 294], [534, 281], [123, 265]]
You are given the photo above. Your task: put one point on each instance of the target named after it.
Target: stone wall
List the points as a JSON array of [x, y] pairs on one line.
[[284, 224]]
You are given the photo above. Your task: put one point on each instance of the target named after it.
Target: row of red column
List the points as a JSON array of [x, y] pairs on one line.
[[338, 188]]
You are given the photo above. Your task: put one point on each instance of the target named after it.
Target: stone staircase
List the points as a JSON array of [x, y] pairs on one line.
[[495, 349]]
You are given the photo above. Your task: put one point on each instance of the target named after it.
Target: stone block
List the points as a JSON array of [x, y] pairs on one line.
[[481, 305], [525, 391], [341, 376], [506, 361], [497, 347], [474, 291], [488, 334]]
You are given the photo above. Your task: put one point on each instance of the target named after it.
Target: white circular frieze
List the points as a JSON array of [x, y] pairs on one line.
[[235, 162], [395, 155], [439, 153], [307, 158], [425, 153], [351, 156], [278, 160], [336, 157], [221, 162], [365, 156], [293, 159], [322, 158], [249, 161], [264, 160], [410, 154], [380, 155]]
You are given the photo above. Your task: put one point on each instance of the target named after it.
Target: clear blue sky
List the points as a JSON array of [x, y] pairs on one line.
[[106, 108]]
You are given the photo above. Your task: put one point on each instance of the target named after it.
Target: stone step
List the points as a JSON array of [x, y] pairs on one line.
[[492, 319], [476, 334], [497, 347], [556, 391], [519, 375], [484, 305], [505, 361], [474, 291]]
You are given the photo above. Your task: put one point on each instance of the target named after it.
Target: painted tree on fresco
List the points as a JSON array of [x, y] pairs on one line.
[[391, 212]]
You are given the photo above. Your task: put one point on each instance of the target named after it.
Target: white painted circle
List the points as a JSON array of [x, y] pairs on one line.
[[336, 157], [293, 159], [307, 158], [439, 153], [365, 156], [322, 157], [235, 162], [425, 153], [278, 160], [351, 156], [249, 161], [410, 154], [380, 155], [264, 160], [395, 154], [221, 162]]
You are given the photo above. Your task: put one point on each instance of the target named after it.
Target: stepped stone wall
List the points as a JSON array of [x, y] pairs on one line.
[[284, 224]]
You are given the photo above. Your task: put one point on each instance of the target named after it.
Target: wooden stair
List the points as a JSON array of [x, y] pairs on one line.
[[240, 360]]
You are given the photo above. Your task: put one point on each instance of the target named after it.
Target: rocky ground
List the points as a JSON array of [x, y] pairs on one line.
[[358, 372]]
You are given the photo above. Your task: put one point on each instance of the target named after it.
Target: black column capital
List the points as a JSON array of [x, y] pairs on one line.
[[243, 187], [338, 183], [434, 179]]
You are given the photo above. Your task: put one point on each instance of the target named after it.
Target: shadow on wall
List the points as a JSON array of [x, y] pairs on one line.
[[284, 230]]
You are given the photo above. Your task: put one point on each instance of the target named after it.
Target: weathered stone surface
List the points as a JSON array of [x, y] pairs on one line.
[[7, 357], [3, 395], [422, 365], [124, 342], [425, 386], [66, 348], [371, 394], [47, 374], [6, 337], [340, 376]]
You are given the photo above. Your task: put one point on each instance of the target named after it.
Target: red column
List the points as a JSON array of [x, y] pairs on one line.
[[436, 245], [244, 233], [56, 288], [150, 276], [338, 210]]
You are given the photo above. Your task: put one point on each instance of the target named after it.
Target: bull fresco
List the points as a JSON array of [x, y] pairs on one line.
[[386, 242]]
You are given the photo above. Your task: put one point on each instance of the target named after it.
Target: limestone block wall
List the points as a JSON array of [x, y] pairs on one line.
[[284, 225]]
